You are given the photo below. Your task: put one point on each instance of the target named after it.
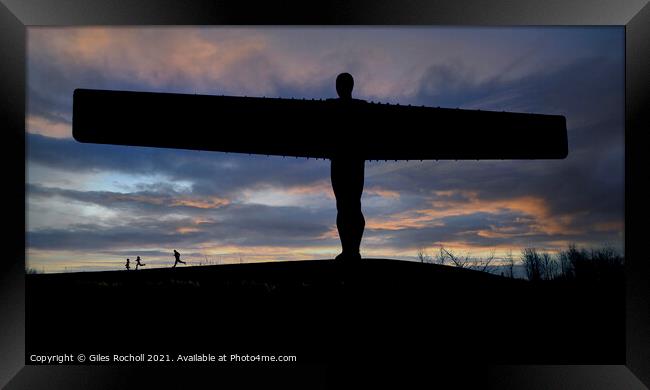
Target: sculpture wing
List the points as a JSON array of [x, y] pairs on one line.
[[312, 128]]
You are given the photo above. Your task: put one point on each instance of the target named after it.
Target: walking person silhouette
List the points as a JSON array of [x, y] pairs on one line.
[[347, 173], [138, 263], [128, 267], [178, 258]]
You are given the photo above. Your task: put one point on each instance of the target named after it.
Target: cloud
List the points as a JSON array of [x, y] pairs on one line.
[[153, 219], [389, 64], [47, 127], [209, 172], [169, 199], [461, 216], [103, 200]]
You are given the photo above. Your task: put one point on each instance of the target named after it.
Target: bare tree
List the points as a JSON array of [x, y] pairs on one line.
[[549, 266], [483, 264], [423, 257], [510, 265], [532, 264], [467, 261], [458, 261], [440, 258], [446, 256]]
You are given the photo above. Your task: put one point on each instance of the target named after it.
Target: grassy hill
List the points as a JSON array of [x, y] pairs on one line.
[[323, 311]]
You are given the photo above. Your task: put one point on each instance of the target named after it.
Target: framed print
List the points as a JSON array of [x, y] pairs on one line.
[[205, 189]]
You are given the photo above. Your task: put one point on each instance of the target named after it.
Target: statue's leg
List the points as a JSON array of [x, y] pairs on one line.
[[347, 181], [357, 171]]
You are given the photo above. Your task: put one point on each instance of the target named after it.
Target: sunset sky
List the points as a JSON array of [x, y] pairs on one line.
[[89, 207]]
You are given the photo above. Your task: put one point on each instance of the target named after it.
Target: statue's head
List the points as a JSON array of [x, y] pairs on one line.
[[344, 85]]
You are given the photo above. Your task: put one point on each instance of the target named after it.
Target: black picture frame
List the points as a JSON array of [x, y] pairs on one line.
[[16, 15]]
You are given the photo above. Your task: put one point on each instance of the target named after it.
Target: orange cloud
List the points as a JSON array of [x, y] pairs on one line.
[[249, 60], [154, 55], [249, 254], [43, 126], [458, 203], [323, 187], [202, 203], [404, 220], [332, 233], [378, 191], [187, 229], [499, 232]]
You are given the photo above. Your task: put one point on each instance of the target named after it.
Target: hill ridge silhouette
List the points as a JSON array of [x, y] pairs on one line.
[[325, 311]]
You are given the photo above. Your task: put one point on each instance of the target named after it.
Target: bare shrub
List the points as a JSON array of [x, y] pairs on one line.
[[423, 257], [509, 265], [467, 261]]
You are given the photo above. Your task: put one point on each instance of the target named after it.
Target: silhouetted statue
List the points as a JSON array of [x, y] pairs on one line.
[[138, 263], [177, 256], [128, 266], [347, 173], [346, 131]]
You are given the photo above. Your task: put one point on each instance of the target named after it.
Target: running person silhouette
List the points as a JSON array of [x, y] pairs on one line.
[[138, 263], [128, 266], [178, 258]]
